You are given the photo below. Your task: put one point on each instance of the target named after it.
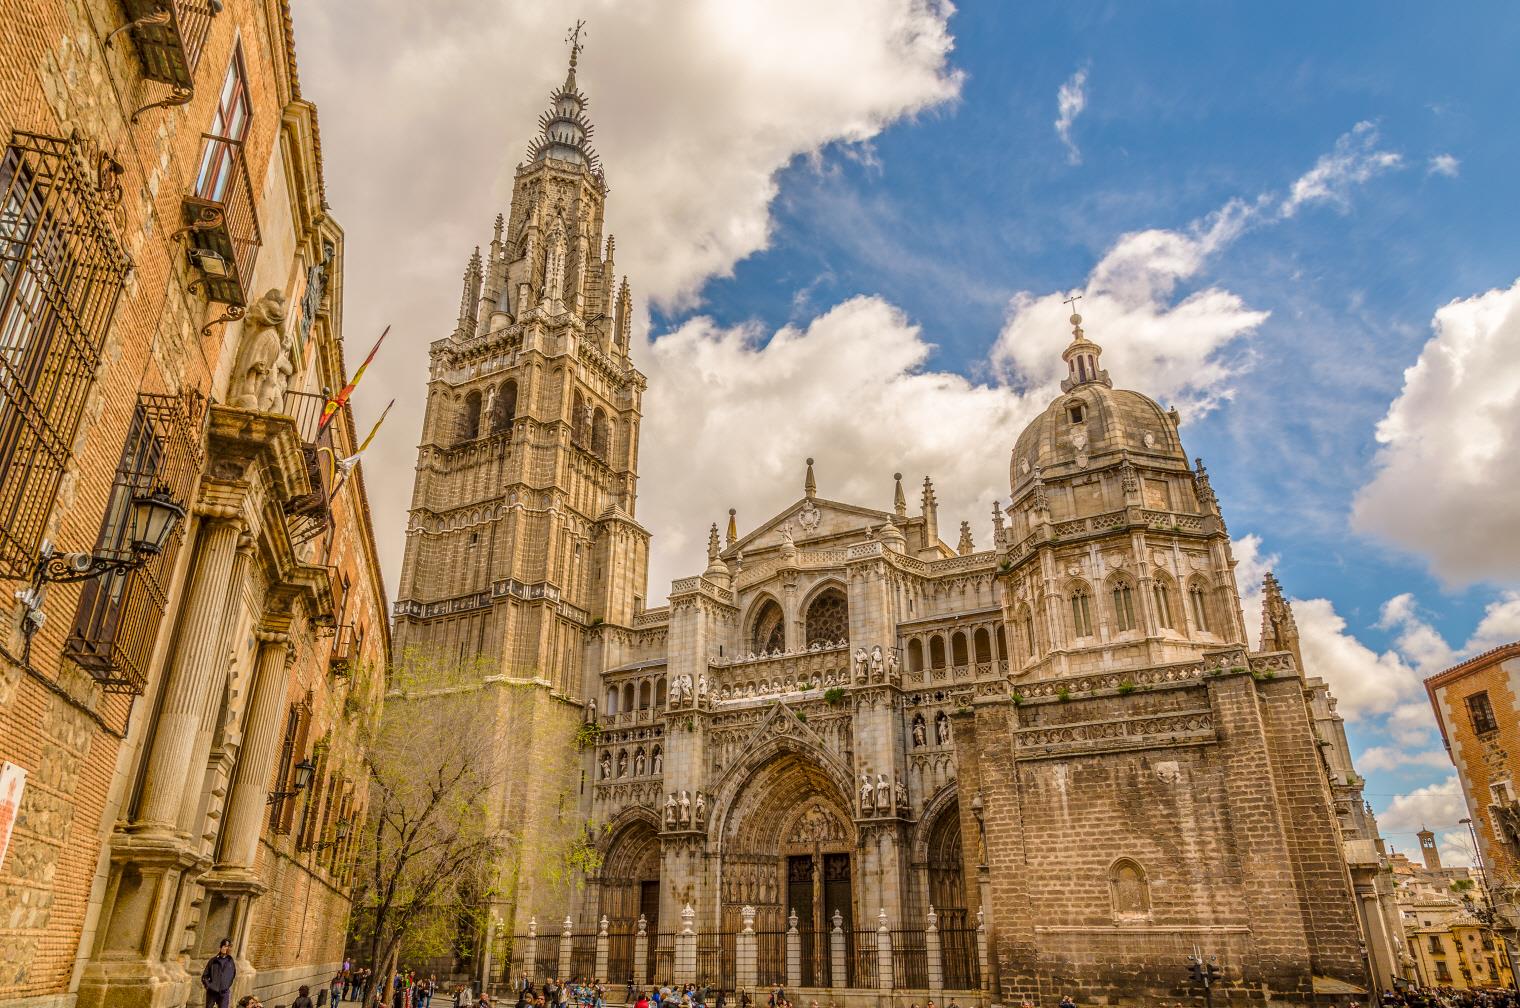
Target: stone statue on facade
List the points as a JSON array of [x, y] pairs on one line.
[[867, 795], [941, 729], [883, 794], [877, 665], [656, 762], [638, 763], [860, 663], [685, 806], [670, 809], [900, 792], [702, 686], [920, 736], [701, 810], [891, 664], [263, 365], [622, 764], [606, 764]]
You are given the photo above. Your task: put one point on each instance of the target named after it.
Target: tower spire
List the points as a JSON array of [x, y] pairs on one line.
[[1081, 355], [1279, 631], [564, 131]]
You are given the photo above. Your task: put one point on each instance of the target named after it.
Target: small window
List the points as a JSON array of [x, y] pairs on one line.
[[1124, 607], [1076, 413], [1200, 605], [1081, 613], [474, 538], [1482, 714], [1163, 606]]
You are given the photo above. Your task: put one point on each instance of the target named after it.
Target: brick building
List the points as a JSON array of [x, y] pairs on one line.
[[170, 316], [1477, 705], [1058, 751]]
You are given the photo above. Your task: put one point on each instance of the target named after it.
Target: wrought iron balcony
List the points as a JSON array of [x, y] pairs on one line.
[[221, 223], [170, 35], [345, 650], [309, 515]]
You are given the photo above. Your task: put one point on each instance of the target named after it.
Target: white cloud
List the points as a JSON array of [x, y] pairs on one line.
[[1394, 757], [1071, 99], [1354, 160], [1171, 349], [1444, 164], [1439, 807], [426, 112], [1447, 485]]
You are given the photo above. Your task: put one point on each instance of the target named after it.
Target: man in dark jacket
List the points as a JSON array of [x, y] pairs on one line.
[[218, 975]]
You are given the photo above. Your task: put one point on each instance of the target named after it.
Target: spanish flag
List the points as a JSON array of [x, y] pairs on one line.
[[338, 401]]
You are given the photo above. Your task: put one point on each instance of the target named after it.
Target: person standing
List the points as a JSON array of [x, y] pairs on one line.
[[218, 975], [303, 997]]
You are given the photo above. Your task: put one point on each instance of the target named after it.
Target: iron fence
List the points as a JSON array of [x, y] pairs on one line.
[[910, 960], [862, 958], [716, 959], [620, 949], [583, 956], [958, 954]]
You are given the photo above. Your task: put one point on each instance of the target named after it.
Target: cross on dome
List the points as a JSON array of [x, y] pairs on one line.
[[1081, 355]]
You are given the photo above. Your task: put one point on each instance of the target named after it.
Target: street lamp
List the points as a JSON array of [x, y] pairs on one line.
[[152, 520], [301, 778]]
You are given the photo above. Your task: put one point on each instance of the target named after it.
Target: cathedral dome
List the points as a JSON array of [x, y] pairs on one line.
[[1092, 419]]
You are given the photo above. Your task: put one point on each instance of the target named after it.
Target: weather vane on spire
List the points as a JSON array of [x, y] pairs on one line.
[[573, 38]]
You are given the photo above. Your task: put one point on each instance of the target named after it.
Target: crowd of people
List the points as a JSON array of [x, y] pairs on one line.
[[1450, 997]]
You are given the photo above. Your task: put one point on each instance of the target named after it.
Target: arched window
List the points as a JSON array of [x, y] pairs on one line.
[[1081, 613], [469, 419], [1129, 890], [1124, 606], [627, 698], [1163, 598], [612, 700], [936, 651], [828, 618], [958, 649], [505, 407], [646, 695], [983, 645], [1199, 600], [659, 693], [1002, 643], [769, 632], [577, 420], [915, 655], [599, 433]]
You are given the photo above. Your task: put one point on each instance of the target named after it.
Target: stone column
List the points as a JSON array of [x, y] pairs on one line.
[[746, 956], [836, 953], [981, 950], [641, 952], [601, 950], [934, 957], [201, 655], [686, 948], [565, 940], [261, 737], [530, 953], [883, 952], [793, 952]]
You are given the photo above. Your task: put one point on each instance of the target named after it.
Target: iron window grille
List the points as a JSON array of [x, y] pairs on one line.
[[117, 620], [1482, 713], [61, 274]]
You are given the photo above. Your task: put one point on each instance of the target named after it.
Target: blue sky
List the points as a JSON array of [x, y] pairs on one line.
[[780, 166]]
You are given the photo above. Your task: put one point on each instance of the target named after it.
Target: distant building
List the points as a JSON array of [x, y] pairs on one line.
[[1478, 712]]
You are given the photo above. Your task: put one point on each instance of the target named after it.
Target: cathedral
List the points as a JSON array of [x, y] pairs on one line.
[[846, 755]]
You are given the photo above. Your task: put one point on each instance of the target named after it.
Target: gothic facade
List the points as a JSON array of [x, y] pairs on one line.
[[1060, 747]]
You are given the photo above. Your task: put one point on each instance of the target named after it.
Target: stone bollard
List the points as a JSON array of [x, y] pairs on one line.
[[565, 941], [793, 952], [601, 950], [686, 947], [641, 953], [836, 953], [935, 958], [746, 955], [884, 978], [530, 952]]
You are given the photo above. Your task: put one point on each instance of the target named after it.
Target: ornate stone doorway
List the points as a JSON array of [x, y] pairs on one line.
[[630, 886]]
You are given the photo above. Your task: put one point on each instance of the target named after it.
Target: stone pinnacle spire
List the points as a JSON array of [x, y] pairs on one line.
[[564, 131], [733, 526], [965, 547], [810, 484], [899, 499], [1279, 631]]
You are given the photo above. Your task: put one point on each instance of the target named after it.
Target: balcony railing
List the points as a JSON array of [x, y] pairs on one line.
[[344, 650], [222, 225], [309, 515], [170, 35]]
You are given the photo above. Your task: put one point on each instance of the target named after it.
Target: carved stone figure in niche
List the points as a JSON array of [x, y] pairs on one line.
[[622, 764], [900, 792], [883, 794], [1131, 893], [702, 685], [891, 664], [701, 810], [867, 795], [638, 763], [606, 765], [920, 736], [941, 729], [685, 806], [656, 762], [670, 809], [860, 663], [262, 353], [878, 666]]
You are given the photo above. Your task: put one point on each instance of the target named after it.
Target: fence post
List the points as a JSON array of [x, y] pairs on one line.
[[883, 952], [530, 952], [836, 952], [981, 950], [601, 952], [793, 952], [746, 963], [932, 952], [686, 948], [641, 953], [565, 941]]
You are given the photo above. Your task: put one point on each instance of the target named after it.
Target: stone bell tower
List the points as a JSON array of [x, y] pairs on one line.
[[522, 530]]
